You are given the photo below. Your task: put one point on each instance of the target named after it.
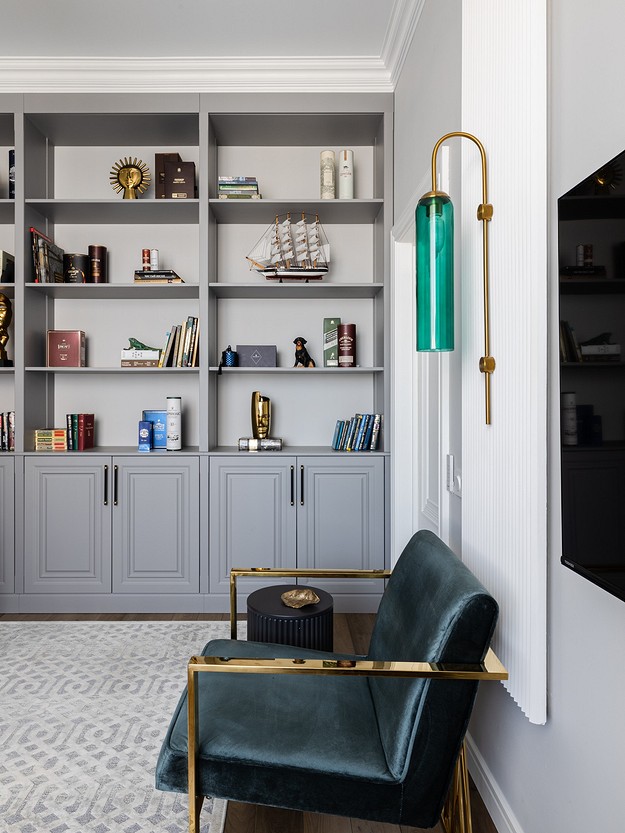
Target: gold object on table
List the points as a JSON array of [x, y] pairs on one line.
[[300, 597], [131, 176], [261, 415], [6, 316]]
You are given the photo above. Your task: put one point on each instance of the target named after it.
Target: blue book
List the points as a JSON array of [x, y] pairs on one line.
[[360, 439], [337, 433], [367, 440]]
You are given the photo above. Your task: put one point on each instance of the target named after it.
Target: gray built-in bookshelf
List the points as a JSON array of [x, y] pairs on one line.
[[112, 529]]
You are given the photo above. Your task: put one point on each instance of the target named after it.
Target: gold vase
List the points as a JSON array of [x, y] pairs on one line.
[[261, 415]]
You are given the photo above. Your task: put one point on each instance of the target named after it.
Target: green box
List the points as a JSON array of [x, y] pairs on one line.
[[331, 342]]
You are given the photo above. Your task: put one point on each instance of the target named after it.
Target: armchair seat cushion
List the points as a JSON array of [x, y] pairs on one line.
[[236, 726]]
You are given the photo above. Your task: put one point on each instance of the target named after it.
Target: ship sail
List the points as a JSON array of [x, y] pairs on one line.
[[295, 251]]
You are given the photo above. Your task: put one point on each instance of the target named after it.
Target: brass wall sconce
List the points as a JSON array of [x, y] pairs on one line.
[[434, 219]]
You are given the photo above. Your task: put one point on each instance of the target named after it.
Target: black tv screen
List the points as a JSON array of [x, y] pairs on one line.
[[591, 243]]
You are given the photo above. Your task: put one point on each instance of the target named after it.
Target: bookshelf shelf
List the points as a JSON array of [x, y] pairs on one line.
[[303, 371], [119, 370], [264, 211], [268, 290], [117, 211], [99, 291]]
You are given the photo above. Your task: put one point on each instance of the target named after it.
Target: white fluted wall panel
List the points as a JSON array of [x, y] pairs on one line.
[[504, 464]]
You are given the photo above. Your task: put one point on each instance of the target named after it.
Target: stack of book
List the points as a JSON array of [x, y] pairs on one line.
[[50, 439], [140, 358], [80, 431], [181, 345], [149, 277], [7, 431], [238, 188], [360, 433]]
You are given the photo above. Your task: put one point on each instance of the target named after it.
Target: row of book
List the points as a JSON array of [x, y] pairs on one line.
[[572, 351], [360, 433], [80, 431], [181, 345], [78, 436], [238, 188], [7, 431]]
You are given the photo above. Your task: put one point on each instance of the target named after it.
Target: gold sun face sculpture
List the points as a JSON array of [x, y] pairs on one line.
[[131, 176]]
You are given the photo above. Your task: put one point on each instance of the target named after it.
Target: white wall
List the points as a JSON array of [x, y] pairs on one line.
[[427, 105], [567, 775]]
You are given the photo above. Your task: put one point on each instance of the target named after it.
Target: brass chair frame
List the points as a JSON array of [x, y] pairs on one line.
[[456, 814]]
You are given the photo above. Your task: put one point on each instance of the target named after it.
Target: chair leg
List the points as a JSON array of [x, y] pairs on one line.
[[456, 815], [195, 806]]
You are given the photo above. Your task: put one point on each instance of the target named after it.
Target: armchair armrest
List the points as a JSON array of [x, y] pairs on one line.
[[490, 669], [276, 572]]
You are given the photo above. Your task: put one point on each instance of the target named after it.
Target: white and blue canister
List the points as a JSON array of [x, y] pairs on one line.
[[174, 423]]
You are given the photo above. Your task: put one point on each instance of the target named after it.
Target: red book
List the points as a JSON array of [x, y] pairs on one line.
[[86, 423]]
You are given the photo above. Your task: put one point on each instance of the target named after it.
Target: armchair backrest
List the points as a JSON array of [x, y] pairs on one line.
[[433, 609]]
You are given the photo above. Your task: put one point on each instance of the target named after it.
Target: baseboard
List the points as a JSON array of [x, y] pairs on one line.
[[494, 800], [156, 603]]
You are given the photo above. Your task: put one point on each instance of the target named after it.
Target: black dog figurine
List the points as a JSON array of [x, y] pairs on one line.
[[302, 356]]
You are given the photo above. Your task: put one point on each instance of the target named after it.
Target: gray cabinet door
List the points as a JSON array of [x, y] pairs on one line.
[[67, 535], [252, 516], [7, 525], [156, 522], [340, 520]]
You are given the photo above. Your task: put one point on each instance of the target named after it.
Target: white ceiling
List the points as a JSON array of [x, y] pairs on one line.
[[195, 28]]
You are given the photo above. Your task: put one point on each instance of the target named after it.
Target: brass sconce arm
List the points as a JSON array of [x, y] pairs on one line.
[[484, 215]]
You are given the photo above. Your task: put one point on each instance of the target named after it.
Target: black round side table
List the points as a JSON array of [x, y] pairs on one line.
[[270, 620]]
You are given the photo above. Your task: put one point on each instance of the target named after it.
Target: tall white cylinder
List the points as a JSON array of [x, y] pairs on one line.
[[174, 423], [327, 175], [346, 175]]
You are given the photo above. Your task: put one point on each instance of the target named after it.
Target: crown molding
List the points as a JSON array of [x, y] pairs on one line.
[[144, 75], [402, 25], [229, 74]]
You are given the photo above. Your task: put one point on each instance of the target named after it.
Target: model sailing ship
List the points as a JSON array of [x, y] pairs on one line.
[[292, 251]]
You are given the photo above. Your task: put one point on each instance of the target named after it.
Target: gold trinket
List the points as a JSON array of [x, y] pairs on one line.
[[300, 597]]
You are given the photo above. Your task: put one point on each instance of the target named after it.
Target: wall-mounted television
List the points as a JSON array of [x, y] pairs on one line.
[[591, 256]]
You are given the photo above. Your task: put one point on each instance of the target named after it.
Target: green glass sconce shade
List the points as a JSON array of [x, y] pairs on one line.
[[434, 217]]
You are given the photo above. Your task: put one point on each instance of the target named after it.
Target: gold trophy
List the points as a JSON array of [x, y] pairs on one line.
[[6, 315], [261, 415]]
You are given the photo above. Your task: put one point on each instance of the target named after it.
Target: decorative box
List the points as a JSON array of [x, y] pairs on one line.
[[66, 348], [180, 180], [159, 429], [257, 355], [159, 171], [331, 342], [145, 436]]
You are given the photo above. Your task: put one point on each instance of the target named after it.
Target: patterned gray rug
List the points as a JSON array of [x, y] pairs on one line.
[[84, 707]]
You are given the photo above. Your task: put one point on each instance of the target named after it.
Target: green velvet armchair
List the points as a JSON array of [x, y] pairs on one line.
[[377, 737]]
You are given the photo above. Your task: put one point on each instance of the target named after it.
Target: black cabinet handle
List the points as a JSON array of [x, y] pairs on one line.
[[115, 470], [106, 485], [292, 485], [301, 485]]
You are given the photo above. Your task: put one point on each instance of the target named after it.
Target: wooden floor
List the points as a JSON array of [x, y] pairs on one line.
[[351, 635]]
